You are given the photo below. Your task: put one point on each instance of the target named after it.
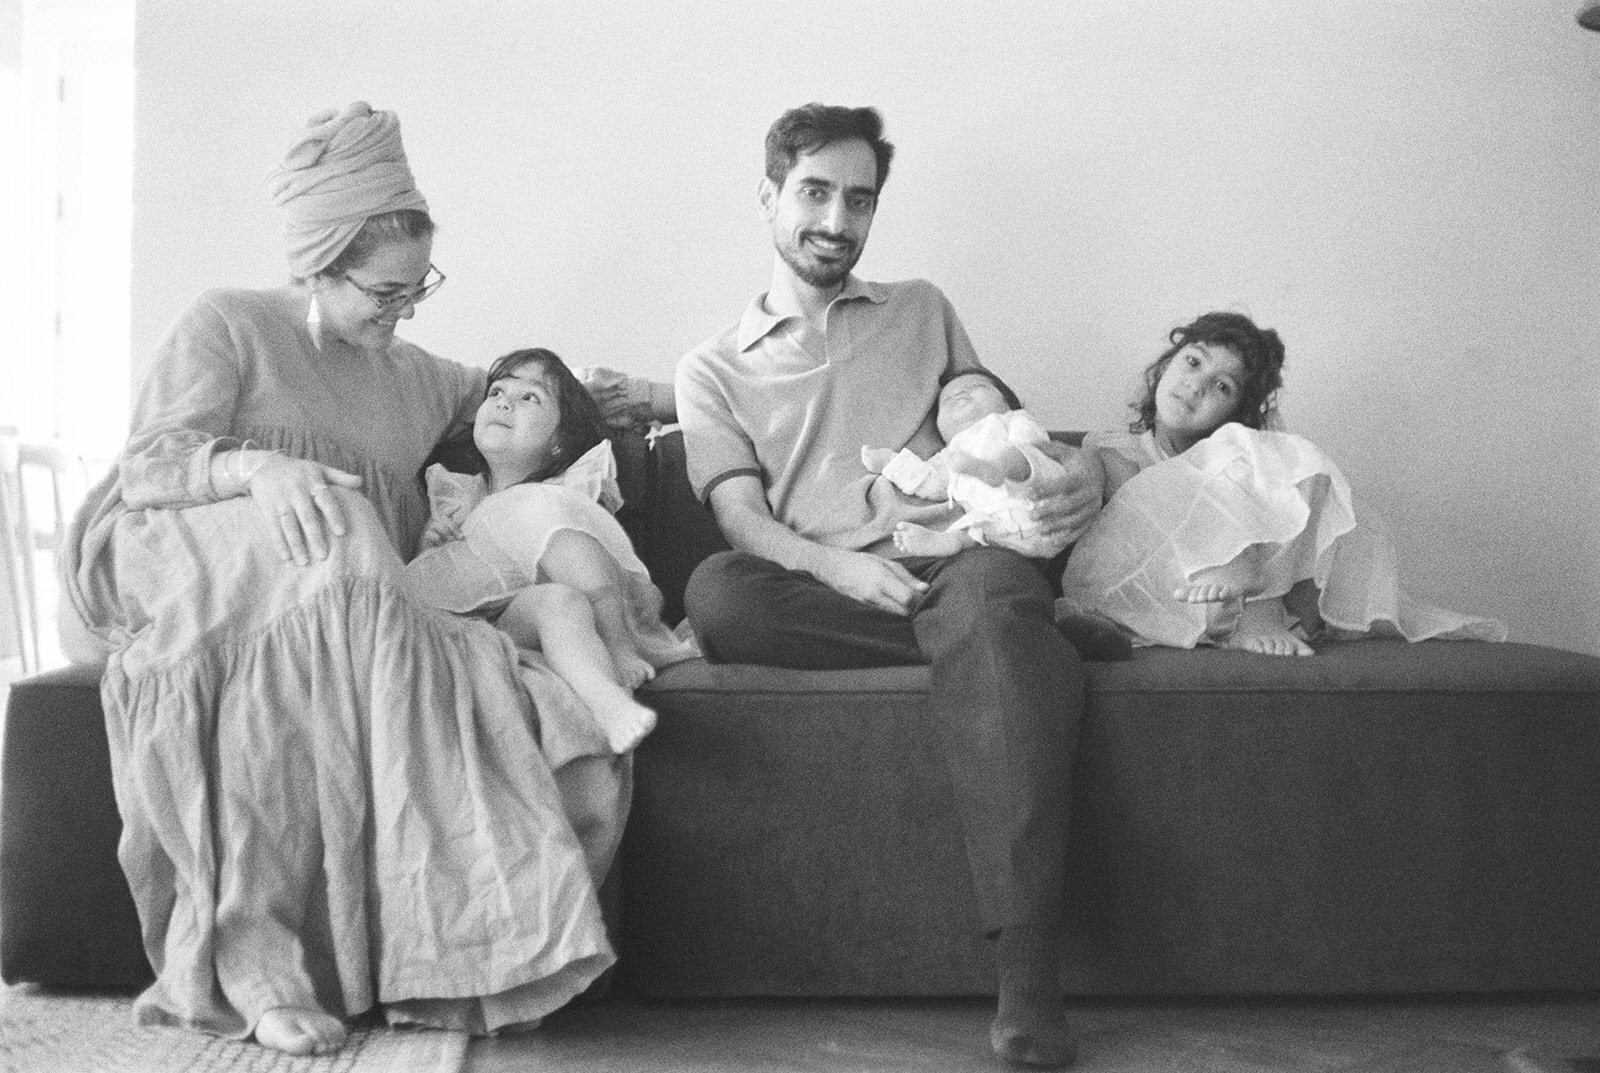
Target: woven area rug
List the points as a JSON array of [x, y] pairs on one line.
[[52, 1032]]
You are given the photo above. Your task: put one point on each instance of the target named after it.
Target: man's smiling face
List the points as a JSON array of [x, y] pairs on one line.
[[821, 215]]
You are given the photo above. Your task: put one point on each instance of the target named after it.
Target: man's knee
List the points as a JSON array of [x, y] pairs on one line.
[[719, 602], [989, 579]]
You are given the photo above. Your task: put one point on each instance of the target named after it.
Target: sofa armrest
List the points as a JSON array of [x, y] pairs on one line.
[[66, 917]]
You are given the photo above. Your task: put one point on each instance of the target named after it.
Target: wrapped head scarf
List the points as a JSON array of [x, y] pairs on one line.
[[344, 167]]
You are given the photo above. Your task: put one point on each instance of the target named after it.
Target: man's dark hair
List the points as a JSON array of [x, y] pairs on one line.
[[815, 126]]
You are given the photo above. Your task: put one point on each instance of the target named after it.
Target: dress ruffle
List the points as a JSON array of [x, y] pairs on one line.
[[1242, 489]]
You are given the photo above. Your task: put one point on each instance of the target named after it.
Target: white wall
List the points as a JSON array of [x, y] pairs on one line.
[[1405, 190]]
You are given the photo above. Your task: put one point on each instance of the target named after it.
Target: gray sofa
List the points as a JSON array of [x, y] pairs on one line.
[[1382, 818]]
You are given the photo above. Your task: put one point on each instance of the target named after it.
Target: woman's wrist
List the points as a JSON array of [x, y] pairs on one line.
[[231, 470]]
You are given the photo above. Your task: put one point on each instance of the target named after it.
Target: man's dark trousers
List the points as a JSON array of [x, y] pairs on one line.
[[1007, 692]]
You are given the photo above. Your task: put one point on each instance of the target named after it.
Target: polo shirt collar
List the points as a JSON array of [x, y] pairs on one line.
[[757, 323]]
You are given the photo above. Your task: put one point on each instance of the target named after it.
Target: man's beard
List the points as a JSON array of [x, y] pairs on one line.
[[819, 275]]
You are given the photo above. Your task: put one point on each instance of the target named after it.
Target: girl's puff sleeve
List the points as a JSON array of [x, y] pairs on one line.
[[184, 413]]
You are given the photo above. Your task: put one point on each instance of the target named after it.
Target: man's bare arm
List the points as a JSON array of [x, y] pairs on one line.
[[741, 509]]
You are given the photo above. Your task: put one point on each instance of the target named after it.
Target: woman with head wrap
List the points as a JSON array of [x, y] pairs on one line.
[[333, 798]]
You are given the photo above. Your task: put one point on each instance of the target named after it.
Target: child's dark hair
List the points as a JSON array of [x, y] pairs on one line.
[[578, 429], [1259, 349], [1005, 389]]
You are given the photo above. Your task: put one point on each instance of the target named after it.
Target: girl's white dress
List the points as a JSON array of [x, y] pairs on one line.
[[1239, 488], [504, 537]]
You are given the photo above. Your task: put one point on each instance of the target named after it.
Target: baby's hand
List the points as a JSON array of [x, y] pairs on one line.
[[875, 458]]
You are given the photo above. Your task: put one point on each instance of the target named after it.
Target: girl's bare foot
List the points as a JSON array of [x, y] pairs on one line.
[[1208, 592], [625, 723], [296, 1030], [1264, 628]]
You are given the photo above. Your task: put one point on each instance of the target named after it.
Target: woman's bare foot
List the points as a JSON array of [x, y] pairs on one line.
[[916, 539], [1264, 628], [633, 670], [295, 1030]]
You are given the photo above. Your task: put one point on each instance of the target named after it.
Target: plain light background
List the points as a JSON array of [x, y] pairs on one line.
[[1405, 189]]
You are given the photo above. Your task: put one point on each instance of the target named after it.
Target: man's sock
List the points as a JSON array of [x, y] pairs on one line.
[[1030, 1026]]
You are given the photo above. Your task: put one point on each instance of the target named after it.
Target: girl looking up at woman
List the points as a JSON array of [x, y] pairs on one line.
[[526, 538], [1219, 530]]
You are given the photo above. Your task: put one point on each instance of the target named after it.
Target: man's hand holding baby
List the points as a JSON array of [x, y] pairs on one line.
[[1065, 505]]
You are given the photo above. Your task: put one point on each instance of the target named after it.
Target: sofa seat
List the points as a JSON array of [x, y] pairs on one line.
[[1379, 818]]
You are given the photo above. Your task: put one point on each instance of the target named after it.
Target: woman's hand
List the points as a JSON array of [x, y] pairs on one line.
[[293, 495]]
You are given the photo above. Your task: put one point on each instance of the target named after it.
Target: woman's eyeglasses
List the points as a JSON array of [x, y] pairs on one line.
[[388, 301]]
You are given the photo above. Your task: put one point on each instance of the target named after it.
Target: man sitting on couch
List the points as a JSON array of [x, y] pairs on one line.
[[774, 411]]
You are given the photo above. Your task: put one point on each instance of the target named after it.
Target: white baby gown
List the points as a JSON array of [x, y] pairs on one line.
[[1236, 489]]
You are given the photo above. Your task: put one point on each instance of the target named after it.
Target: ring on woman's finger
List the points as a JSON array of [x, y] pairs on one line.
[[318, 489], [284, 512]]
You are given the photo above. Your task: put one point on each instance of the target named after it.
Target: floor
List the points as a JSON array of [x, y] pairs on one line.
[[619, 1035]]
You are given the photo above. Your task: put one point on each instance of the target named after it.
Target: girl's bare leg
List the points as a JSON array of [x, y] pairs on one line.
[[559, 621], [579, 560], [300, 1031]]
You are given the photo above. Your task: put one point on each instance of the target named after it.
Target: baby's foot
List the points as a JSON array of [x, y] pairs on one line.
[[916, 539], [876, 458], [625, 724], [296, 1030], [1264, 628]]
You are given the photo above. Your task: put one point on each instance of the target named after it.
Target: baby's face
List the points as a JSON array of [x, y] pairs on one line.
[[965, 401]]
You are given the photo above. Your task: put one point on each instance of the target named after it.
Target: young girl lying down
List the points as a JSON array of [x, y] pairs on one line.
[[1219, 531], [527, 539]]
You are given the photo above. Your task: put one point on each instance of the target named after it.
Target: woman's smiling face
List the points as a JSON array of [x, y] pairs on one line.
[[346, 303]]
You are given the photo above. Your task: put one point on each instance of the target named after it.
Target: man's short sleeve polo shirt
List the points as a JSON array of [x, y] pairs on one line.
[[753, 401]]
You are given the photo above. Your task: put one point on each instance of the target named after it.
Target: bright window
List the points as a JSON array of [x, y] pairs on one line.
[[66, 91]]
